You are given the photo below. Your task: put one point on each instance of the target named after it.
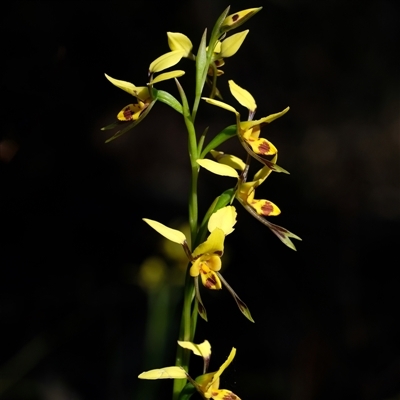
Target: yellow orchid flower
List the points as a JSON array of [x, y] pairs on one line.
[[137, 112], [206, 257], [208, 383], [226, 165], [249, 131], [132, 112], [224, 49]]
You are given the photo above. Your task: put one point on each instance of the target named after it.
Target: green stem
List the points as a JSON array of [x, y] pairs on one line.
[[186, 333]]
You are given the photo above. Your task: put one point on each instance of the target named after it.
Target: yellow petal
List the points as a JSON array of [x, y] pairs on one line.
[[217, 168], [228, 159], [131, 112], [210, 279], [213, 245], [262, 146], [265, 207], [166, 60], [232, 44], [266, 120], [169, 233], [202, 349], [167, 75], [141, 92], [242, 96], [234, 20], [164, 373], [223, 394], [222, 369], [220, 104], [224, 219], [264, 172], [179, 41]]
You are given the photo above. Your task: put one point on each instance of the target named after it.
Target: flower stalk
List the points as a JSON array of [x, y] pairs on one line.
[[208, 237]]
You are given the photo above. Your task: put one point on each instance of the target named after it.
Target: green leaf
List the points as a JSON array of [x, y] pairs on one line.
[[187, 392], [169, 100], [185, 104], [202, 138], [220, 138], [216, 30], [201, 65]]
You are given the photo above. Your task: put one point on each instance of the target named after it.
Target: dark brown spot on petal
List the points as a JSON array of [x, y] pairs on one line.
[[128, 114], [230, 396], [210, 282], [235, 17], [267, 209], [218, 253], [264, 147]]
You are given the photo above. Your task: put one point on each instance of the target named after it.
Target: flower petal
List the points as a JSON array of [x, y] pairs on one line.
[[223, 394], [164, 373], [262, 146], [232, 21], [217, 168], [202, 349], [265, 171], [222, 368], [166, 60], [167, 75], [242, 96], [220, 104], [210, 279], [141, 92], [240, 303], [179, 41], [231, 45], [171, 234], [213, 245], [265, 207], [224, 219], [131, 112], [228, 159], [266, 120]]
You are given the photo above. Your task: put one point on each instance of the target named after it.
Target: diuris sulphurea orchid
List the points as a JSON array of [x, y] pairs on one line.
[[249, 131], [208, 383], [226, 165], [206, 257]]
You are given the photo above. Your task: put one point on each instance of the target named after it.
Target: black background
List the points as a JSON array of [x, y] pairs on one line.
[[73, 317]]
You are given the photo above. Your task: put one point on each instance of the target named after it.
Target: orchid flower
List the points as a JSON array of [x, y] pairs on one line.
[[226, 165], [206, 257], [208, 383], [249, 131]]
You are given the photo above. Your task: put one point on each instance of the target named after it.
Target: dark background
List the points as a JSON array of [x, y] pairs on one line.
[[73, 313]]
